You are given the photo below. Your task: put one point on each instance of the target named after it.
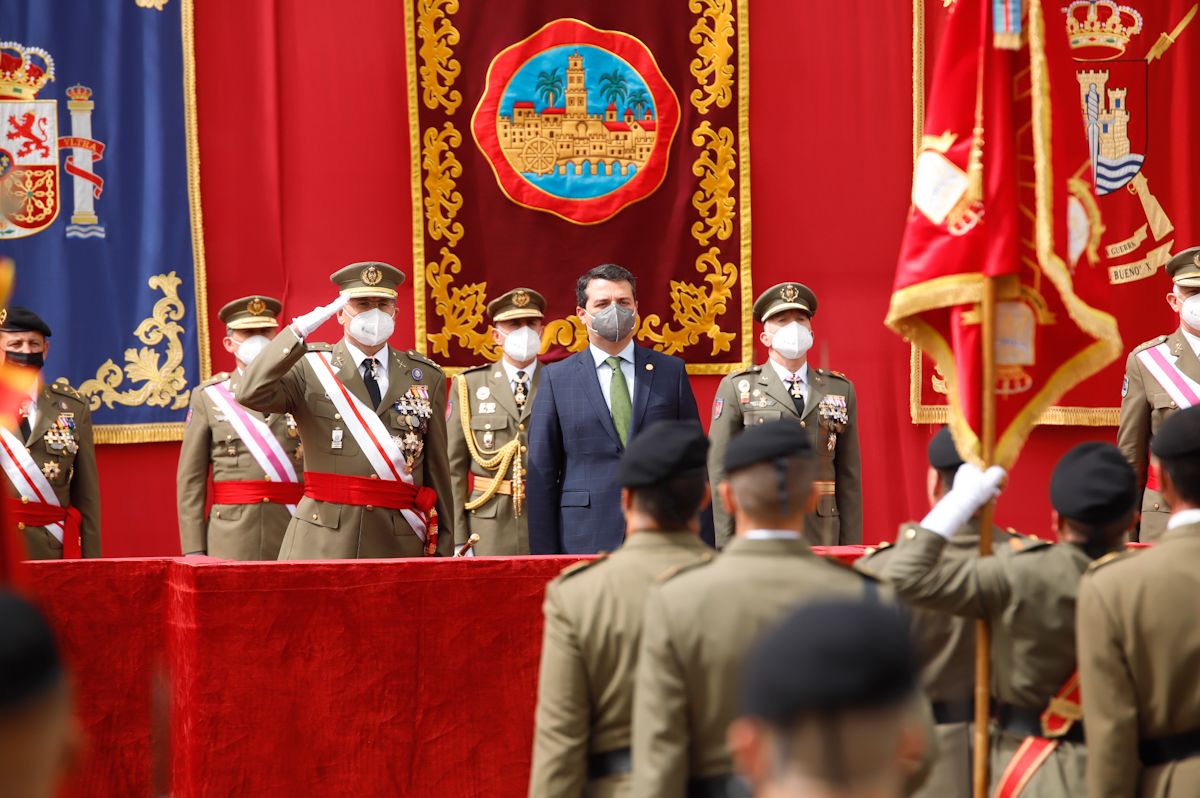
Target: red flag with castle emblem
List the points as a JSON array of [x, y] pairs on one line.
[[1002, 190]]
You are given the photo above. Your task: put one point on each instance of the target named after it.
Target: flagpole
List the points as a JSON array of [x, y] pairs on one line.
[[983, 632]]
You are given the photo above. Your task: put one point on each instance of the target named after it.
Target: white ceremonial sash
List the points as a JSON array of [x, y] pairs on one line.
[[1159, 361], [26, 477], [259, 439], [367, 430]]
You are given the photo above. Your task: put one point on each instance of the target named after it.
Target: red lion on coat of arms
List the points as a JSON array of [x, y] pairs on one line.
[[32, 131]]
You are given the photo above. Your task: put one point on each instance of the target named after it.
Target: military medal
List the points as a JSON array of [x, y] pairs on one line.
[[417, 373], [51, 469], [487, 407], [743, 387], [292, 430], [416, 409], [336, 441], [521, 392], [834, 417], [483, 393]]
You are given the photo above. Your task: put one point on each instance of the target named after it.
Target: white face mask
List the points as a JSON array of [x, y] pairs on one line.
[[371, 327], [792, 340], [1190, 312], [522, 344], [251, 348]]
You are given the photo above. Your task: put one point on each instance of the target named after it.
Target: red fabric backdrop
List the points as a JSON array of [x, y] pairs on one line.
[[304, 167]]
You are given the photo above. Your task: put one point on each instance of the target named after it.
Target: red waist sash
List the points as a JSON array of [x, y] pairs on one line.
[[363, 491], [41, 514], [250, 491], [1152, 479]]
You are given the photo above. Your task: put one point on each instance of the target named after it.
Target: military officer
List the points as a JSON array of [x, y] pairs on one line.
[[945, 643], [1029, 597], [50, 461], [594, 616], [700, 621], [1161, 376], [1139, 642], [256, 460], [786, 387], [825, 700], [489, 415], [372, 423]]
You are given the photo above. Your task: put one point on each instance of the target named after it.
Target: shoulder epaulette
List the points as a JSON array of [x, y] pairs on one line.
[[1112, 556], [220, 376], [676, 570], [873, 550], [743, 372], [581, 566], [1023, 543], [62, 386], [832, 373], [317, 346], [1152, 342], [415, 355], [473, 369]]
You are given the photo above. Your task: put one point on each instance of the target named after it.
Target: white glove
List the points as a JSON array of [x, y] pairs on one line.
[[307, 324], [972, 489]]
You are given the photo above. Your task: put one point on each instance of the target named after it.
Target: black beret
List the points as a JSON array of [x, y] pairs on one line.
[[1093, 483], [830, 656], [29, 663], [18, 319], [663, 449], [943, 455], [1179, 435], [763, 443]]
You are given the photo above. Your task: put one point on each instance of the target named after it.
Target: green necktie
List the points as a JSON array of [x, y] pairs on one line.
[[618, 395]]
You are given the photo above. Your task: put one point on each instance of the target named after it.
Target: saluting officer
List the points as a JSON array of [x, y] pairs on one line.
[[256, 459], [594, 617], [50, 461], [701, 620], [372, 422], [1139, 642], [1162, 376], [822, 401], [490, 407]]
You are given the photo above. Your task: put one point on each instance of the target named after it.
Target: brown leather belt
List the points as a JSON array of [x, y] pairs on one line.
[[484, 484], [825, 487]]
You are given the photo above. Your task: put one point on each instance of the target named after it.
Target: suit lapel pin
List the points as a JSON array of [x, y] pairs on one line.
[[649, 367]]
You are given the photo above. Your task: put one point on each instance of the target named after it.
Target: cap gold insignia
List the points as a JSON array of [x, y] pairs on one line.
[[1195, 260], [256, 307], [790, 293], [372, 276], [3, 315], [521, 299]]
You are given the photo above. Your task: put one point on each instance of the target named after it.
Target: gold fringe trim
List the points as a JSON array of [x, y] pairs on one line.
[[192, 129], [743, 68], [138, 433]]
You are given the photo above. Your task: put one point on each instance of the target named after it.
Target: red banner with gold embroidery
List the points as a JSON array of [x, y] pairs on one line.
[[549, 137], [1002, 191], [1132, 64]]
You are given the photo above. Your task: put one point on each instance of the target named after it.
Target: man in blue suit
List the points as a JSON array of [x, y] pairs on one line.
[[587, 407]]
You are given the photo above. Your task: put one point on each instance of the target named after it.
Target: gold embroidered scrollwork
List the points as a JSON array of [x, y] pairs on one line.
[[442, 198], [714, 200], [162, 385], [696, 308], [157, 5], [439, 68], [461, 309], [712, 67], [568, 332]]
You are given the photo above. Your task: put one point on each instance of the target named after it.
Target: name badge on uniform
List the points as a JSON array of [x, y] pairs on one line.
[[336, 441]]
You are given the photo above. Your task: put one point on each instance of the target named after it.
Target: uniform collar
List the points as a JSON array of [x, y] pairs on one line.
[[786, 375], [772, 534], [649, 538], [358, 356], [1193, 341], [511, 370], [1183, 518], [741, 545]]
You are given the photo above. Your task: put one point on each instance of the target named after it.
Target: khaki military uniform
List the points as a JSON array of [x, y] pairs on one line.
[[231, 531], [1029, 598], [1145, 405], [946, 646], [61, 444], [698, 626], [593, 617], [279, 381], [1138, 648], [757, 396], [494, 421]]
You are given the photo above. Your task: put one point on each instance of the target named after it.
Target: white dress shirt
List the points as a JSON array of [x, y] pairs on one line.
[[604, 372], [512, 370], [31, 407], [786, 375], [381, 371], [1194, 340], [772, 534], [1183, 518]]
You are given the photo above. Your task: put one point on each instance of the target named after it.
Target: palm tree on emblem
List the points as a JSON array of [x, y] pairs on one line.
[[550, 86], [613, 87], [638, 100]]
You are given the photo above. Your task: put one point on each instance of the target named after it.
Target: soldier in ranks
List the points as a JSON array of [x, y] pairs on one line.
[[1139, 642], [825, 702], [372, 423], [593, 616], [490, 407], [256, 459], [822, 401], [702, 618], [1162, 376], [50, 460], [1029, 595], [944, 642]]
